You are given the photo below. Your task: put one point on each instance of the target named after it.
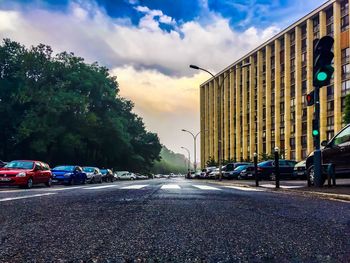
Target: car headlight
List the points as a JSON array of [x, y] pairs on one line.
[[67, 175], [22, 174]]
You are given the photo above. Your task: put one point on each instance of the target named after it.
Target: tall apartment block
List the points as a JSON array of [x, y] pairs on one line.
[[263, 105]]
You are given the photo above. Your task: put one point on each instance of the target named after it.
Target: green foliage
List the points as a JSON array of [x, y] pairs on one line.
[[211, 162], [170, 163], [347, 110], [60, 109]]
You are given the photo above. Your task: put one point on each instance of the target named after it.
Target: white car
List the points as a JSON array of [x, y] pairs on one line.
[[127, 176]]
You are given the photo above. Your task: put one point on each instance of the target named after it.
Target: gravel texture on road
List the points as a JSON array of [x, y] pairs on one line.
[[170, 225]]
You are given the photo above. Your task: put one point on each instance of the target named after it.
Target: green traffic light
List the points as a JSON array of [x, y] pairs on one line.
[[315, 133], [321, 76]]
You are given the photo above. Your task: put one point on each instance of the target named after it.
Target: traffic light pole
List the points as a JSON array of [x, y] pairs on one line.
[[317, 153]]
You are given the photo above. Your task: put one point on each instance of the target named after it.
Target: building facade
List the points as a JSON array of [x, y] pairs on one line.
[[263, 103]]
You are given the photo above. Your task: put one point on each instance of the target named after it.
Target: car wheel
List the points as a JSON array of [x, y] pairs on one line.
[[272, 177], [49, 182], [29, 183], [131, 178], [84, 181], [101, 181], [71, 181]]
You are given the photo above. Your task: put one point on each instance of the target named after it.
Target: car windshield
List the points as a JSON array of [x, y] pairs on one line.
[[88, 169], [241, 167], [103, 171], [20, 165], [64, 168]]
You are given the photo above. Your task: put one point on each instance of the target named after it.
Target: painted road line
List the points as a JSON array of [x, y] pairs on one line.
[[282, 186], [24, 197], [244, 188], [170, 186], [100, 187], [136, 186], [206, 187]]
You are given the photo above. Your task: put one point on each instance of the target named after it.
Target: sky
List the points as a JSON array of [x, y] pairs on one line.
[[149, 45]]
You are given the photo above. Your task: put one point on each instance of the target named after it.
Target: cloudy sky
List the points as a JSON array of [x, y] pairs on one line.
[[148, 45]]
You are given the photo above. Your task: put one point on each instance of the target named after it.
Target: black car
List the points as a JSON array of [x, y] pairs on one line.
[[336, 152], [266, 170], [107, 175], [235, 174]]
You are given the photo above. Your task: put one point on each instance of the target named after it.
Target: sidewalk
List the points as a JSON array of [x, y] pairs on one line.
[[340, 191]]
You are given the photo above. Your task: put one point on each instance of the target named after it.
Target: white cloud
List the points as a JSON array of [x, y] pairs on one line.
[[151, 63]]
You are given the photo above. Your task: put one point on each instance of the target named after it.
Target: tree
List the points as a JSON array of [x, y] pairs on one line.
[[60, 109], [347, 109], [211, 162]]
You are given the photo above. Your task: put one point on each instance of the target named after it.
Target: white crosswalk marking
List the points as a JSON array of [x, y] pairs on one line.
[[243, 188], [206, 187], [282, 186], [170, 186], [24, 197], [100, 187], [137, 186]]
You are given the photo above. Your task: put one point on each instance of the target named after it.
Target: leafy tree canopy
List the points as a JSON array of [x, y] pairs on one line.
[[61, 110]]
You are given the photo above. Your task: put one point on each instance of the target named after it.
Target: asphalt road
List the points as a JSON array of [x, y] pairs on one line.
[[170, 220]]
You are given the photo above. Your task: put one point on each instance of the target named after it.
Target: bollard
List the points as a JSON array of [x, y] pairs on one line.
[[256, 169], [277, 168]]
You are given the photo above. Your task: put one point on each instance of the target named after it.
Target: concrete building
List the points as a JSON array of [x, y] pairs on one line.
[[263, 104]]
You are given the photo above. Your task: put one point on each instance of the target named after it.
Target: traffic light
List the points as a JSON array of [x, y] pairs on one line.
[[323, 57], [315, 128], [310, 98]]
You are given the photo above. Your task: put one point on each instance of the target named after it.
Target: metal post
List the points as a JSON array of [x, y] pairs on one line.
[[256, 169], [277, 168], [317, 153]]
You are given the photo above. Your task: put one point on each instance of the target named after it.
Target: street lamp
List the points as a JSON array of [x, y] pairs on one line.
[[219, 85], [189, 156], [194, 143]]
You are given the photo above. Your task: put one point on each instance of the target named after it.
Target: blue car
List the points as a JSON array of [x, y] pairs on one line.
[[68, 174]]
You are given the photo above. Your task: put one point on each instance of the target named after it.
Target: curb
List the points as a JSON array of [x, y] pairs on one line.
[[343, 197]]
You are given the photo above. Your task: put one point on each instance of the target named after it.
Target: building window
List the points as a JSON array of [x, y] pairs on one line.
[[344, 11], [330, 92], [330, 122], [345, 87], [345, 70], [330, 105], [345, 54], [303, 59], [330, 135], [344, 23], [292, 37]]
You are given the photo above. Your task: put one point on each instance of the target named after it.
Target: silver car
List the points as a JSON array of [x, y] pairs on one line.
[[93, 175]]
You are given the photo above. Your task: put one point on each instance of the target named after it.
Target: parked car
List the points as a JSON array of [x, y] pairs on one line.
[[246, 173], [93, 175], [214, 173], [25, 173], [300, 170], [206, 171], [336, 152], [107, 175], [2, 164], [127, 176], [231, 166], [236, 172], [141, 177], [266, 170], [68, 174]]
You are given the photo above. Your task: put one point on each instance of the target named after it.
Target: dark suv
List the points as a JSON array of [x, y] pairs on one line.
[[337, 152]]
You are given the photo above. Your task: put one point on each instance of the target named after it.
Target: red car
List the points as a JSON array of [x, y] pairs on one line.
[[25, 173]]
